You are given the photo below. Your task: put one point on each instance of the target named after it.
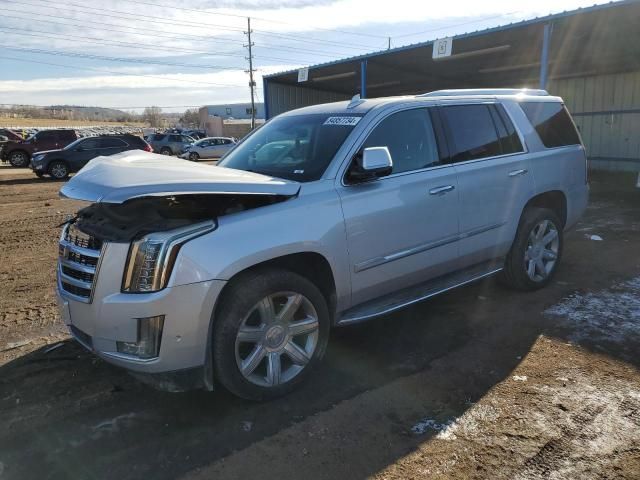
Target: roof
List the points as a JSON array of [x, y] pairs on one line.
[[500, 28], [359, 106]]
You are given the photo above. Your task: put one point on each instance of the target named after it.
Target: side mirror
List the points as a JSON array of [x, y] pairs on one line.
[[372, 163]]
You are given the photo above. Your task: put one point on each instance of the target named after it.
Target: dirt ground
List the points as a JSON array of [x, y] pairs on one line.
[[481, 382]]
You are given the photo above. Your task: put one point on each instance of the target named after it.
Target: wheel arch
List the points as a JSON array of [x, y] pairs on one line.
[[312, 265], [554, 200]]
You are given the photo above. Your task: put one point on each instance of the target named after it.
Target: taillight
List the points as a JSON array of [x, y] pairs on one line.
[[148, 148]]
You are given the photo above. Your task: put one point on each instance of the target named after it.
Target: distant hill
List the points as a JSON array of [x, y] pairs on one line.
[[89, 113]]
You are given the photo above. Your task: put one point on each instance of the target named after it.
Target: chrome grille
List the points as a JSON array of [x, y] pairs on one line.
[[79, 256]]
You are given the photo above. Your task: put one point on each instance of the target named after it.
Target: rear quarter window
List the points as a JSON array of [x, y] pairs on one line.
[[552, 123]]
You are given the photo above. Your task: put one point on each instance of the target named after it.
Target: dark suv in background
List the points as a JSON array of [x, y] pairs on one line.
[[60, 163], [19, 152], [170, 143]]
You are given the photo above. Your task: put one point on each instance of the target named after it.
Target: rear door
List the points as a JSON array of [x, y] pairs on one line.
[[112, 145], [493, 177], [402, 229], [85, 151], [47, 140]]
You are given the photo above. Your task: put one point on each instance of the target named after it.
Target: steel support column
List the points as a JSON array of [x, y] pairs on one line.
[[265, 92], [544, 57], [363, 79]]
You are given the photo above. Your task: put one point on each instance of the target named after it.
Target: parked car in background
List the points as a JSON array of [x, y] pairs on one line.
[[212, 147], [196, 134], [170, 143], [60, 163], [326, 216], [19, 152], [11, 134]]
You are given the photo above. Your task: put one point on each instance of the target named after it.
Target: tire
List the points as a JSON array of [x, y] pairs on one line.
[[166, 151], [19, 159], [242, 305], [194, 157], [58, 170], [39, 174], [532, 261]]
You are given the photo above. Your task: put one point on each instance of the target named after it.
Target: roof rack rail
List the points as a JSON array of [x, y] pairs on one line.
[[463, 92]]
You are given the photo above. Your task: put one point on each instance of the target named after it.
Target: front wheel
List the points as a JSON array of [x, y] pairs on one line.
[[58, 170], [166, 151], [193, 156], [270, 332], [19, 159], [536, 250]]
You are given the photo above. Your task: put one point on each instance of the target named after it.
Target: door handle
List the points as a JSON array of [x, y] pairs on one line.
[[441, 190], [516, 173]]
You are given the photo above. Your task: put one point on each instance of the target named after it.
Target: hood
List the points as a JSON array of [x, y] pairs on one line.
[[44, 152], [137, 174]]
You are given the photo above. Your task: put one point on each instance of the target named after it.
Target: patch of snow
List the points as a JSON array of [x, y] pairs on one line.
[[611, 315], [596, 238], [520, 378], [470, 424], [247, 426], [427, 424]]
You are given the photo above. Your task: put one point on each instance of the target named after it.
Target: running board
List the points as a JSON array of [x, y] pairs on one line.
[[409, 296]]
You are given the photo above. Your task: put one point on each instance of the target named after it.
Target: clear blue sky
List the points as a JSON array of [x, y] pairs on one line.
[[118, 53]]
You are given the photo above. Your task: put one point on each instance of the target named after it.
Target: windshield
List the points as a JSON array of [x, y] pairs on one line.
[[296, 147]]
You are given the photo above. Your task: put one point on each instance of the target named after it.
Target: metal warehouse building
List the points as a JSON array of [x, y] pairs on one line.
[[589, 56]]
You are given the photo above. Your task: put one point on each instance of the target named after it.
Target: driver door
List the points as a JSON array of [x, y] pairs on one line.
[[402, 229]]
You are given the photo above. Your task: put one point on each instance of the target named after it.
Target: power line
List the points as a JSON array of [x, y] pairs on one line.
[[87, 107], [113, 59], [346, 32], [111, 72], [200, 25], [446, 27], [144, 47], [137, 29], [156, 34]]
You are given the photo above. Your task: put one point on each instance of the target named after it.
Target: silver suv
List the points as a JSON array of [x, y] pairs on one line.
[[190, 275]]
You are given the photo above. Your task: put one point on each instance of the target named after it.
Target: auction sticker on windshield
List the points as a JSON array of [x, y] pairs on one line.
[[342, 121]]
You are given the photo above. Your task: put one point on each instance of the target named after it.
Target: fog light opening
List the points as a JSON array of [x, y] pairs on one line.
[[147, 345]]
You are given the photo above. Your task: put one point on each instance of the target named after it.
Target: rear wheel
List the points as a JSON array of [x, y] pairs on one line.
[[19, 159], [39, 174], [271, 331], [58, 170], [536, 251], [166, 151]]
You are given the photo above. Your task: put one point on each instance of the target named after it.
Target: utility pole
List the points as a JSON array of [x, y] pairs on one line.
[[252, 83]]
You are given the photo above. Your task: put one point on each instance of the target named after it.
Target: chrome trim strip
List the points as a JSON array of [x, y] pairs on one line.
[[74, 281], [376, 262], [87, 252], [78, 266], [347, 321]]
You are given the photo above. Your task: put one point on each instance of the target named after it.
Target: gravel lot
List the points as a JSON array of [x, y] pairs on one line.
[[479, 383]]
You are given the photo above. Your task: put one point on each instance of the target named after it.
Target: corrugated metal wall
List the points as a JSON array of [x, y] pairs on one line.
[[281, 98], [606, 108]]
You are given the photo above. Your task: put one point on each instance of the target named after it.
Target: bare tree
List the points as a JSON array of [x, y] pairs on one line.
[[153, 116], [190, 118]]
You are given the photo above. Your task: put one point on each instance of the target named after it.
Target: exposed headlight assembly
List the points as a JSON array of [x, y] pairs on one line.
[[151, 258]]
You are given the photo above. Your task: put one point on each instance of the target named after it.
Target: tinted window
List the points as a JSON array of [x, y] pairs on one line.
[[472, 131], [552, 122], [112, 143], [174, 138], [159, 136], [509, 140], [67, 135], [46, 136], [409, 137], [90, 144]]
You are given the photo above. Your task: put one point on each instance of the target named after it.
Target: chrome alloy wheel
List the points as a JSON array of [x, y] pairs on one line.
[[277, 339], [58, 170], [542, 250]]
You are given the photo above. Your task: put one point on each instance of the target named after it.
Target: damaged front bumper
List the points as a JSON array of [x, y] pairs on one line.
[[112, 318]]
